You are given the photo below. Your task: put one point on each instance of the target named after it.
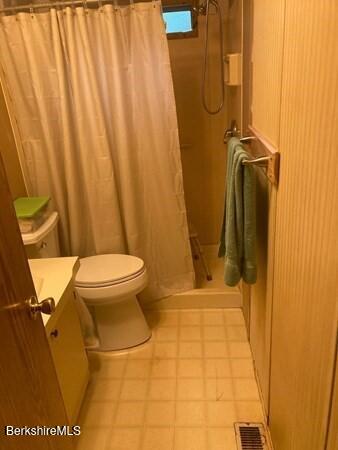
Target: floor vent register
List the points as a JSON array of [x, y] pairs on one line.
[[251, 436]]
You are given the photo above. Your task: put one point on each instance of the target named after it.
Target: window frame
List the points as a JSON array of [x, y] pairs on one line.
[[183, 5]]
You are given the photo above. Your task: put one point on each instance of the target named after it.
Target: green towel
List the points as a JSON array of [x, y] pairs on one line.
[[238, 239], [232, 144]]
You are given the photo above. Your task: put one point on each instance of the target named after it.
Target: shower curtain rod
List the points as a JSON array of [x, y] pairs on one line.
[[31, 7]]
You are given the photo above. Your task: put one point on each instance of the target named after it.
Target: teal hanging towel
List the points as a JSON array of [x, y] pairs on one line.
[[238, 235]]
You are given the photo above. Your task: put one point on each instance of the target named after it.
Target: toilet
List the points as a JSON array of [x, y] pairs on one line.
[[108, 284]]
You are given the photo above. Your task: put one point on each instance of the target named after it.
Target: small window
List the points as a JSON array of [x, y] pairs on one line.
[[180, 20]]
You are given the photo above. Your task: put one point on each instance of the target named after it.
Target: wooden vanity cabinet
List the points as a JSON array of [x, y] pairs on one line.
[[69, 355]]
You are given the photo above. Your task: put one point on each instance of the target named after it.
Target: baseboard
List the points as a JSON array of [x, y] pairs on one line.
[[198, 299]]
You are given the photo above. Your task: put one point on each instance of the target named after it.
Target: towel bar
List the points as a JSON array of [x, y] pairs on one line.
[[264, 154], [262, 161], [246, 139]]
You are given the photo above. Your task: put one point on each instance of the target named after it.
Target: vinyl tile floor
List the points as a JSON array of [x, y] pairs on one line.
[[182, 390]]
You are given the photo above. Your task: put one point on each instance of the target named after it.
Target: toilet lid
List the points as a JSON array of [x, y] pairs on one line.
[[102, 270]]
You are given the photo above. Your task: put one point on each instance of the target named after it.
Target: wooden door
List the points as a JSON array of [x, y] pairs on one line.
[[29, 391]]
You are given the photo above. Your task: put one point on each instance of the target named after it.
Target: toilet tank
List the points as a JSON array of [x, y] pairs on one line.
[[43, 242]]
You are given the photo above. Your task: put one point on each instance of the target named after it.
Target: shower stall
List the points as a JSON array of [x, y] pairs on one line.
[[202, 102]]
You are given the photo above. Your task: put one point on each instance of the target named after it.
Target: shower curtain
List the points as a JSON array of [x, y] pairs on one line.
[[93, 99]]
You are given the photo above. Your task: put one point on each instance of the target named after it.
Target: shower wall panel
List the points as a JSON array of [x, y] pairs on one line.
[[201, 135]]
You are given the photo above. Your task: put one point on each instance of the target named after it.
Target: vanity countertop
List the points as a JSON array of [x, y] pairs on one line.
[[52, 276]]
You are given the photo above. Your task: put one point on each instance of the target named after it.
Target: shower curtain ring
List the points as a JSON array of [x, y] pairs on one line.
[[100, 5], [31, 11], [85, 7]]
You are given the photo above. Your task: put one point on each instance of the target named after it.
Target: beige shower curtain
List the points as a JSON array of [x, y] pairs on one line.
[[93, 98]]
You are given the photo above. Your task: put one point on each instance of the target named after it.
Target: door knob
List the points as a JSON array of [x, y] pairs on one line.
[[46, 306]]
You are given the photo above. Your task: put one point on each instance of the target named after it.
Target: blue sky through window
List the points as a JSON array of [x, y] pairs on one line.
[[178, 21]]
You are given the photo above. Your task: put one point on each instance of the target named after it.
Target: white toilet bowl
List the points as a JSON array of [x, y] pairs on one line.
[[108, 285]]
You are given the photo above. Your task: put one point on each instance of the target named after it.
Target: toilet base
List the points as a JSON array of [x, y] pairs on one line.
[[120, 325]]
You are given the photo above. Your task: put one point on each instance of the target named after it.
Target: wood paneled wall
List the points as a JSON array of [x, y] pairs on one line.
[[263, 73], [267, 60], [265, 30], [305, 278], [264, 34], [261, 297], [294, 303]]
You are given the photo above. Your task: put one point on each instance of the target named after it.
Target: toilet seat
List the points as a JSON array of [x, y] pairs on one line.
[[108, 270]]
